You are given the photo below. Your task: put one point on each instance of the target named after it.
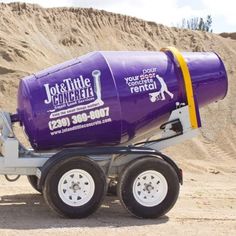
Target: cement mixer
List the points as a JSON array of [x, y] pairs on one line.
[[100, 121]]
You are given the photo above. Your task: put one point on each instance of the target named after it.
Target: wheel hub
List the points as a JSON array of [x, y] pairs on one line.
[[76, 187], [150, 188]]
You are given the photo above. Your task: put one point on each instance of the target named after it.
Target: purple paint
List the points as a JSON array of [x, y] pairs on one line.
[[109, 98]]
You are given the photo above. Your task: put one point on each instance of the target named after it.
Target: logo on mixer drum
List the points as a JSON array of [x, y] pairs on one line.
[[147, 82], [160, 95], [74, 95]]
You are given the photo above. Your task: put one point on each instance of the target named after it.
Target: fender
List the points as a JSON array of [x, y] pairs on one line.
[[70, 152]]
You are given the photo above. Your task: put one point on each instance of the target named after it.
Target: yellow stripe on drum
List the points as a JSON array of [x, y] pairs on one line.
[[188, 84]]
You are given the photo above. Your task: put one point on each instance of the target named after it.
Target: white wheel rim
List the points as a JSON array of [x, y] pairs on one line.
[[150, 188], [76, 187]]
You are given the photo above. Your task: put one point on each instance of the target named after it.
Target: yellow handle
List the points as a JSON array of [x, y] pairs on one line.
[[187, 82]]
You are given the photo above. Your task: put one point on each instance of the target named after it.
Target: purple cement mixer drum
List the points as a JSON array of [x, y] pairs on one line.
[[110, 98]]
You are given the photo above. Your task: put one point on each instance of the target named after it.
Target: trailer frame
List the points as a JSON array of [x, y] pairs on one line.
[[15, 159]]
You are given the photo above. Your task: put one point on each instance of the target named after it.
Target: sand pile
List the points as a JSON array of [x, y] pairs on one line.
[[32, 38]]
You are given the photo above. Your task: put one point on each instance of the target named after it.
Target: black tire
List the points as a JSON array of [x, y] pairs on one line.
[[51, 192], [130, 176], [33, 180]]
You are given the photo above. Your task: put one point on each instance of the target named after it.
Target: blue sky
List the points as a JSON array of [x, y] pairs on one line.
[[168, 12]]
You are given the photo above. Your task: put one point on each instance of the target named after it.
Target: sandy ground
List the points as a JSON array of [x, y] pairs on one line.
[[206, 206], [33, 38]]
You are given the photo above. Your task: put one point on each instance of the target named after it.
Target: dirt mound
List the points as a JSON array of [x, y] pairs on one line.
[[32, 38]]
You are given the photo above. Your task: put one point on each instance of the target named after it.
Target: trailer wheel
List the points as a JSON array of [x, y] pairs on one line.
[[75, 187], [148, 187], [33, 180]]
